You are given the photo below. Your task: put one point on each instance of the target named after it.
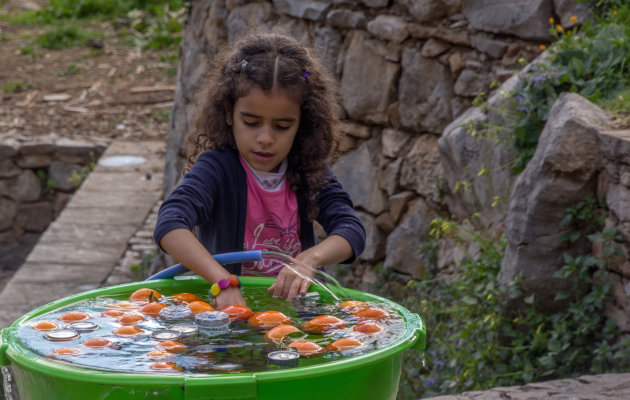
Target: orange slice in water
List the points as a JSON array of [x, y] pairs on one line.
[[367, 327], [185, 297], [371, 314], [238, 312], [152, 309], [343, 344], [276, 333], [165, 366], [96, 343], [128, 331], [306, 348], [268, 319], [124, 305], [159, 354], [172, 346], [145, 294], [45, 326], [199, 306], [131, 319], [114, 313], [66, 351], [324, 323], [72, 316], [351, 306]]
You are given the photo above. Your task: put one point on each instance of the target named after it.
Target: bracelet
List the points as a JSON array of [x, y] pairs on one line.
[[223, 284]]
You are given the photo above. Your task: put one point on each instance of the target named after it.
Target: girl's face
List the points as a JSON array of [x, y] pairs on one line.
[[264, 125]]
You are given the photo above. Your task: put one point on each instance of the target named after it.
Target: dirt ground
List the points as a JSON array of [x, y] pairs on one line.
[[106, 89]]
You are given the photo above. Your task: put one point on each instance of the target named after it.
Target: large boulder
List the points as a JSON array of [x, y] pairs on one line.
[[368, 103], [562, 172], [527, 19]]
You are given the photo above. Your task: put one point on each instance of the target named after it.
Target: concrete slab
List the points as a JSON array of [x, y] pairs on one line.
[[72, 274], [63, 231], [131, 215], [102, 181], [113, 199], [74, 253]]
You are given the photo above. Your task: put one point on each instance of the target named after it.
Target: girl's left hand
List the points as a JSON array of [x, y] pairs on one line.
[[292, 280]]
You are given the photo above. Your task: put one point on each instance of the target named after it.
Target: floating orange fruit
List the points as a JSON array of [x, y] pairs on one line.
[[185, 297], [277, 333], [371, 314], [165, 366], [351, 306], [343, 344], [45, 326], [172, 346], [367, 327], [125, 305], [114, 313], [152, 309], [128, 331], [96, 343], [324, 323], [199, 306], [72, 316], [306, 348], [131, 319], [159, 354], [268, 319], [145, 294], [66, 351], [238, 312]]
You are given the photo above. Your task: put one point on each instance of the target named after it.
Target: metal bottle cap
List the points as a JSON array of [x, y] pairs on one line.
[[82, 326], [283, 358], [175, 313], [62, 334], [185, 329], [166, 334], [212, 319]]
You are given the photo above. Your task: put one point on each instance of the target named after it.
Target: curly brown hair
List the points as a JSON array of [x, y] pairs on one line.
[[274, 61]]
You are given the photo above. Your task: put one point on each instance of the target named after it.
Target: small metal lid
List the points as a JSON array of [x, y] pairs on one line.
[[185, 329], [61, 335], [212, 319], [284, 358], [175, 313], [166, 334], [82, 326]]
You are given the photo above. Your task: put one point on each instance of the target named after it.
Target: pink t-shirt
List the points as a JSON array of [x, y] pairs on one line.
[[272, 224]]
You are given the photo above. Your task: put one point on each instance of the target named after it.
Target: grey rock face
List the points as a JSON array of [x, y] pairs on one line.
[[527, 19], [562, 172]]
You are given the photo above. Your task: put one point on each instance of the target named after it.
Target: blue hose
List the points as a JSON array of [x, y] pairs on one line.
[[236, 257]]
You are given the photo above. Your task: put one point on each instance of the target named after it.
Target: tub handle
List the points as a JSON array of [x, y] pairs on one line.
[[236, 257], [4, 360], [420, 334]]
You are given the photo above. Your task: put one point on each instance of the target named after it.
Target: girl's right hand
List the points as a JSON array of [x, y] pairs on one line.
[[228, 297]]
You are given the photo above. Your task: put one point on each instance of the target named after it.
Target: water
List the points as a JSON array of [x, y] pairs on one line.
[[241, 349]]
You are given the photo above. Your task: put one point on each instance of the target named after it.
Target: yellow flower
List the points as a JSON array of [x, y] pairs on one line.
[[542, 47], [615, 13], [559, 28], [551, 20], [573, 19], [568, 33]]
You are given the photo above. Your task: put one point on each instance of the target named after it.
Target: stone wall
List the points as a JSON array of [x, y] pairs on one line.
[[407, 69], [36, 181]]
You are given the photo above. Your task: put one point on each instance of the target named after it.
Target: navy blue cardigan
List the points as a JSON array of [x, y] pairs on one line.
[[213, 198]]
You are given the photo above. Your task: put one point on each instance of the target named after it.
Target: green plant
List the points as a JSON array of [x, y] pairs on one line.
[[60, 37], [142, 270], [72, 69], [77, 177], [14, 86]]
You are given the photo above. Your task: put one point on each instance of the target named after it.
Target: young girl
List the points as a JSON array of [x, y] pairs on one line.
[[258, 174]]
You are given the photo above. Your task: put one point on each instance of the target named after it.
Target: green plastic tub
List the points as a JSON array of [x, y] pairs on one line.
[[374, 375]]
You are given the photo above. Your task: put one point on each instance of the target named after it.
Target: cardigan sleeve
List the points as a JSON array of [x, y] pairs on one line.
[[337, 216], [192, 202]]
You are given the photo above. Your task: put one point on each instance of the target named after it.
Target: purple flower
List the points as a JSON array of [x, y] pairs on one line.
[[540, 78], [519, 98], [523, 109], [306, 74], [429, 382]]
